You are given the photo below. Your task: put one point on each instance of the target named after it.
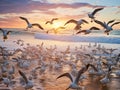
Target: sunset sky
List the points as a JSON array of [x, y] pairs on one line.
[[39, 11]]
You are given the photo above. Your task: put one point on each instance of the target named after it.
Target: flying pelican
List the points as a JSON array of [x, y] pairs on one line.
[[74, 84], [29, 25], [88, 31], [91, 15], [78, 23], [51, 22], [5, 33], [106, 25]]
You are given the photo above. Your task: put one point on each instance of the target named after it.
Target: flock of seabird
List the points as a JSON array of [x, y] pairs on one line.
[[78, 23], [32, 66]]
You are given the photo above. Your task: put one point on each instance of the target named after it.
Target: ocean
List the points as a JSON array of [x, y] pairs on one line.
[[35, 37]]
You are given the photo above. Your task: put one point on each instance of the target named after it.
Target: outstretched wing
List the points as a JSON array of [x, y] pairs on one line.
[[60, 28], [81, 31], [38, 25], [71, 21], [25, 19], [67, 75], [94, 28], [8, 32], [1, 30], [80, 72], [115, 24], [54, 19], [110, 21], [23, 75], [96, 10], [101, 23], [84, 21], [48, 22]]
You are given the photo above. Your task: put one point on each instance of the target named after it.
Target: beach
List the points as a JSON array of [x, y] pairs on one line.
[[41, 49]]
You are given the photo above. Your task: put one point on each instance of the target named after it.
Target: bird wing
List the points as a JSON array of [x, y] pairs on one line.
[[115, 24], [25, 20], [71, 21], [81, 31], [101, 23], [94, 28], [110, 21], [8, 32], [48, 22], [67, 75], [1, 30], [38, 25], [60, 28], [80, 72], [54, 19], [96, 10], [94, 67], [77, 27], [84, 21], [23, 75]]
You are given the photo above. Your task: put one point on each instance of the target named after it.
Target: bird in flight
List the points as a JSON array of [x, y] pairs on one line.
[[105, 25], [74, 84], [88, 31], [28, 83], [78, 23], [29, 25], [92, 14], [5, 34], [51, 22]]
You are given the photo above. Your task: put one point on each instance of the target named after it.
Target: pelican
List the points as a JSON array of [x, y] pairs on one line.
[[29, 83], [5, 33], [74, 84], [106, 25], [51, 22], [88, 31], [31, 25], [91, 15]]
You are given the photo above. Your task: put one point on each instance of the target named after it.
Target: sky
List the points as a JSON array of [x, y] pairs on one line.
[[40, 11]]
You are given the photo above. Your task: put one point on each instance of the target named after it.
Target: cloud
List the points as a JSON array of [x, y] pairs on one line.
[[27, 6]]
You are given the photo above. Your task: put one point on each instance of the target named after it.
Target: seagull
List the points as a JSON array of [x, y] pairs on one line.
[[56, 29], [31, 25], [51, 22], [91, 15], [106, 25], [74, 84], [88, 31], [78, 23], [29, 83], [5, 33]]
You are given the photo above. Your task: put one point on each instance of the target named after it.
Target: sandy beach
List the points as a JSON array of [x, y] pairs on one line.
[[55, 57]]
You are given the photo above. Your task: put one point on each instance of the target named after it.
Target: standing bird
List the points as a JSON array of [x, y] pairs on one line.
[[74, 84], [29, 25], [78, 23], [5, 33], [88, 31], [105, 25], [51, 22], [91, 15]]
